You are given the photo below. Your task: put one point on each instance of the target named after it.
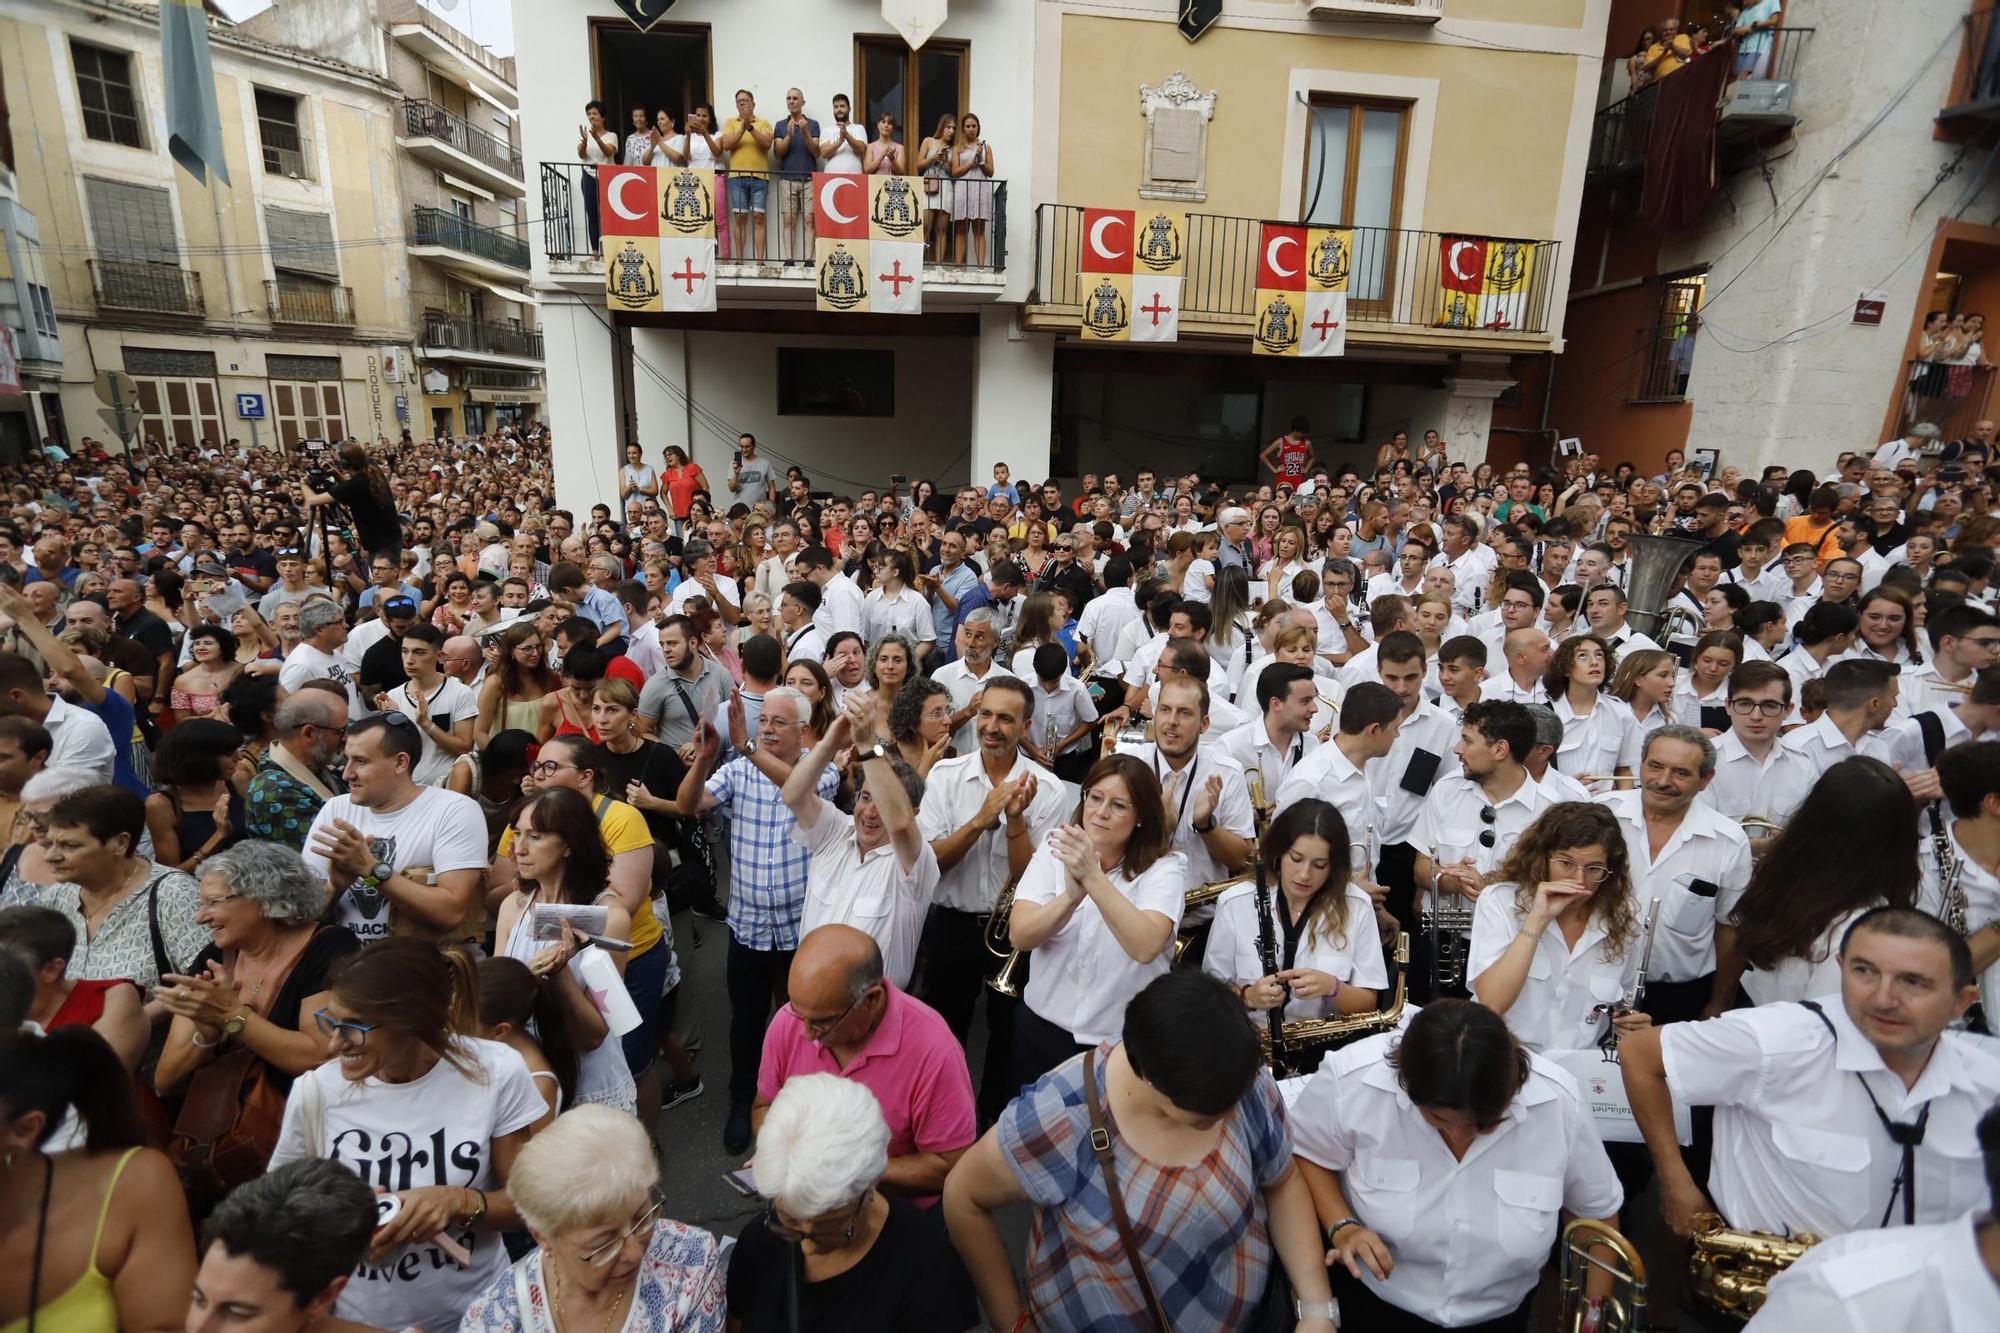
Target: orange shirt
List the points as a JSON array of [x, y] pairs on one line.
[[1805, 528]]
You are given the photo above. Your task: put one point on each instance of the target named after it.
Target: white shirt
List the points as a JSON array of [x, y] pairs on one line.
[[1327, 774], [838, 150], [1823, 744], [439, 829], [1104, 618], [867, 890], [1627, 640], [1427, 731], [953, 794], [1139, 666], [79, 740], [840, 607], [1798, 1147], [1250, 746], [694, 148], [448, 702], [1469, 1237], [1930, 1277], [1557, 1007], [643, 649], [1474, 570], [1982, 899], [1082, 977], [1593, 742], [1452, 822], [1181, 788], [1355, 958], [1505, 687], [1919, 688], [806, 644], [908, 613], [1801, 978], [1892, 453], [1743, 786], [306, 662], [1061, 707], [1697, 877], [957, 678], [1688, 703], [687, 588]]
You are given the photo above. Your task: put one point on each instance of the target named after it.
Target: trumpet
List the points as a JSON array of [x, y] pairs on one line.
[[1000, 945], [1624, 1311]]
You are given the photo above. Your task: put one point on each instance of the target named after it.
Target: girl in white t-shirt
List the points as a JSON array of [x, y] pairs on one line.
[[1198, 584], [416, 1107]]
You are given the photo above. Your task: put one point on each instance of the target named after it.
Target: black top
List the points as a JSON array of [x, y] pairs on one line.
[[910, 1281], [659, 768], [375, 523], [309, 976], [149, 631], [382, 668]]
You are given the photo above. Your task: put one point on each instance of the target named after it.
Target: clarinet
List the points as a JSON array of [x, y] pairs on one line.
[[1952, 905], [1608, 1043], [1267, 958]]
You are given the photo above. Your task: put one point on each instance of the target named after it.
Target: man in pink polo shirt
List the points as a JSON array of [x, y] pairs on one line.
[[845, 1019]]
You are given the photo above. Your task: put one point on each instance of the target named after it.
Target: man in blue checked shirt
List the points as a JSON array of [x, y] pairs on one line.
[[767, 878]]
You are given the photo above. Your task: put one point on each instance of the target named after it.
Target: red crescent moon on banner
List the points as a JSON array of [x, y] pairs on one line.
[[1271, 256], [826, 195]]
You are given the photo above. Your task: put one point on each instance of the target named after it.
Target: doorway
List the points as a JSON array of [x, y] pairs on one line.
[[667, 67]]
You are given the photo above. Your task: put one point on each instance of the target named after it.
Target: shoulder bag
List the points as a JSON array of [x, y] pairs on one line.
[[1100, 1139]]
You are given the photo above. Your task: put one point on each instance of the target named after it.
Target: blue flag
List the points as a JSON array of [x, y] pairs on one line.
[[194, 129]]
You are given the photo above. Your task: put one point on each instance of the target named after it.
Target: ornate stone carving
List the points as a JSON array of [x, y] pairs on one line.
[[1175, 161]]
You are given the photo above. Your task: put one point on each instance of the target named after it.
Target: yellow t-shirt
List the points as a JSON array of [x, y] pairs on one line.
[[1675, 55], [748, 154], [624, 830]]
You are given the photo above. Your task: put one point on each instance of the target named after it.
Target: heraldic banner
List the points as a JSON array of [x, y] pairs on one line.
[[659, 237], [1483, 283], [868, 245], [1130, 267], [1302, 277]]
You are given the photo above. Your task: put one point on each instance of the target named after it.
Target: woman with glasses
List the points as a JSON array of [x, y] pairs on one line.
[[894, 607], [511, 697], [831, 1244], [920, 723], [560, 859], [1555, 942], [1851, 846], [414, 1104], [1595, 724], [606, 1256]]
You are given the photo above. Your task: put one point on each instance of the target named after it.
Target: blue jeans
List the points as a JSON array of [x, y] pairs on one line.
[[747, 194]]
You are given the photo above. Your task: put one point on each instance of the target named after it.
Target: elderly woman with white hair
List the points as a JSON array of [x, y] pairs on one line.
[[26, 863], [832, 1253], [587, 1187], [243, 1015]]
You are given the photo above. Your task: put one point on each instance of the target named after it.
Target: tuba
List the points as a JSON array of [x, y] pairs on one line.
[[1305, 1041], [1730, 1270], [1001, 946], [1624, 1310], [1649, 578]]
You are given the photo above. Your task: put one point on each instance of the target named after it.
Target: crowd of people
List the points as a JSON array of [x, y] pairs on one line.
[[1665, 49], [1253, 885]]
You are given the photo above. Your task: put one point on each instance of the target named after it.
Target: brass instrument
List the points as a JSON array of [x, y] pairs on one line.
[[1759, 824], [1633, 998], [1446, 921], [1306, 1041], [1624, 1311], [1729, 1270], [1613, 778], [1201, 895], [1000, 945], [1655, 562], [1260, 809]]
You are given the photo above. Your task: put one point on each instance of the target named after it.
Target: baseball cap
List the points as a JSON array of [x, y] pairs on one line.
[[215, 567]]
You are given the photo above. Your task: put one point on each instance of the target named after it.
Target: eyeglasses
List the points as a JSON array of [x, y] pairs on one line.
[[604, 1255], [355, 1034], [794, 1235], [1594, 873], [818, 1028], [1762, 707], [544, 767], [207, 904]]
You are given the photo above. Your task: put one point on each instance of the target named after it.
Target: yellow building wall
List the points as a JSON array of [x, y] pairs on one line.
[[1496, 160], [1549, 13]]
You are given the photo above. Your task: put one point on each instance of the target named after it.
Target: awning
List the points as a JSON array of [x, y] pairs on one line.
[[456, 183], [505, 293]]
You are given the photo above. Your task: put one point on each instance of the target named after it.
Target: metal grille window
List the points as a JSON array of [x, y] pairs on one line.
[[286, 152], [309, 411], [1666, 348], [104, 87], [301, 242]]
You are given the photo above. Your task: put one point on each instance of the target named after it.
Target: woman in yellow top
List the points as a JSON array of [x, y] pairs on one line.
[[511, 698], [578, 763], [95, 1237]]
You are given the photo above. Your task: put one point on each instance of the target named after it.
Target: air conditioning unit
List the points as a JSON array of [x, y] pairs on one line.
[[1760, 99]]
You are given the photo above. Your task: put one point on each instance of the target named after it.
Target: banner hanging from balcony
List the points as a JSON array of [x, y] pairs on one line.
[[868, 244], [1483, 283], [1302, 275], [659, 237], [1131, 264]]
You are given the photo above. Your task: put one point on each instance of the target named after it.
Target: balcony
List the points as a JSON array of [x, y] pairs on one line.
[[136, 286], [465, 247], [435, 136], [315, 303], [1975, 88], [501, 387], [1753, 112], [476, 342], [573, 263], [1390, 11], [1951, 398], [1393, 291], [458, 58]]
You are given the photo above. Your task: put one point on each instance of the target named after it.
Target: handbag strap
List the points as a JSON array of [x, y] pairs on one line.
[[1100, 1140]]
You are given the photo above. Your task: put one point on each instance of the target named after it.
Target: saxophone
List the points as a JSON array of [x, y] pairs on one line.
[[1952, 906], [1304, 1042], [1730, 1270]]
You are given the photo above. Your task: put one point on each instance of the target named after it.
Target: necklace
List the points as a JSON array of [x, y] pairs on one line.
[[553, 1273], [96, 916]]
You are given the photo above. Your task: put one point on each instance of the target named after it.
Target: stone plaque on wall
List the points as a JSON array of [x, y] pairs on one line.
[[1175, 164]]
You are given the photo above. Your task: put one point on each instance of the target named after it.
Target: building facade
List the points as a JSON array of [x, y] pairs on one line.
[[271, 308], [1413, 127], [462, 185], [1857, 195]]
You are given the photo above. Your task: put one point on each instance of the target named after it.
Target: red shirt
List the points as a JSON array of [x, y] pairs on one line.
[[624, 668], [1292, 458], [681, 484], [912, 1063]]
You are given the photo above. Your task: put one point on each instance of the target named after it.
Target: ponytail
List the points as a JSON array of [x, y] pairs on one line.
[[70, 1067], [462, 1012], [416, 988], [509, 993]]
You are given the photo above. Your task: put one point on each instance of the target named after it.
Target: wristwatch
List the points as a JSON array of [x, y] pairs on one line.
[[1317, 1310], [876, 751], [237, 1021], [377, 874]]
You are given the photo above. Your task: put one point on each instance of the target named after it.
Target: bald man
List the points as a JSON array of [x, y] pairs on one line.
[[847, 1020], [461, 660], [1528, 652]]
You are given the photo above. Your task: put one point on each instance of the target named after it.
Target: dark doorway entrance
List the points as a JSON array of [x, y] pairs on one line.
[[667, 67]]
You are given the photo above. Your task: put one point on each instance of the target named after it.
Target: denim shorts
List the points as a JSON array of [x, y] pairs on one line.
[[747, 193]]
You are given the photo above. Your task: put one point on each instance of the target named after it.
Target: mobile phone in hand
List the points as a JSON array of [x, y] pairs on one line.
[[736, 457], [743, 1181]]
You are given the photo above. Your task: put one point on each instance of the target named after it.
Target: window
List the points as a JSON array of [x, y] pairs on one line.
[[285, 152], [45, 311], [104, 86], [301, 242], [1667, 346], [918, 88], [1354, 178], [308, 410], [179, 411], [832, 382]]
